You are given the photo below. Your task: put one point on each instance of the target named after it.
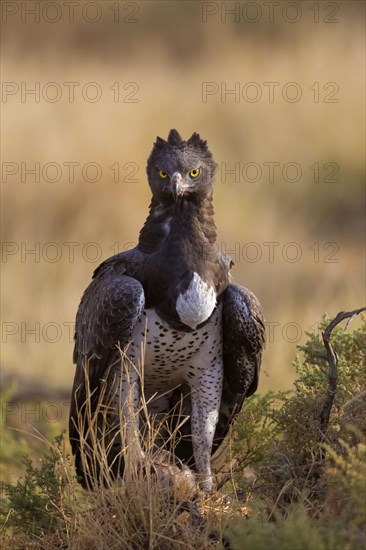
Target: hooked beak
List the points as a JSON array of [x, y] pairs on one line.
[[176, 184]]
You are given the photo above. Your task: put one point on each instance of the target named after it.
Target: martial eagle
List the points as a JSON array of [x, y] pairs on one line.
[[169, 299]]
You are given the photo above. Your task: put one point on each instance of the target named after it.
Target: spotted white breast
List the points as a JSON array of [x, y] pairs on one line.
[[171, 357]]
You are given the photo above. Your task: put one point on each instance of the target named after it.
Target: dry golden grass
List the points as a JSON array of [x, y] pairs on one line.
[[156, 504]]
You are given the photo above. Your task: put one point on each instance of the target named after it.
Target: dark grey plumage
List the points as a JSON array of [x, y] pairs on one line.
[[204, 335]]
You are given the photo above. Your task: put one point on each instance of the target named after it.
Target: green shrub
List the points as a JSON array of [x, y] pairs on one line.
[[13, 446], [295, 532], [35, 504], [293, 460]]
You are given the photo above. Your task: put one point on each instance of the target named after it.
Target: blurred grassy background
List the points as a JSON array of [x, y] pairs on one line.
[[169, 52]]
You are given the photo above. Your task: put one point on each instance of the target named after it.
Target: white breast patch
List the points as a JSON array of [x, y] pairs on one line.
[[197, 303]]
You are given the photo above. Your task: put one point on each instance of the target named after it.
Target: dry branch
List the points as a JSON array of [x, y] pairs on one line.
[[333, 363]]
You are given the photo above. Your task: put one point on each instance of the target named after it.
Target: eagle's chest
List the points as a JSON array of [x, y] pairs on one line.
[[171, 357], [195, 305]]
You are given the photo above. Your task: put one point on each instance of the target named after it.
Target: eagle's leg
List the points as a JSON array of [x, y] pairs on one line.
[[129, 402], [206, 389]]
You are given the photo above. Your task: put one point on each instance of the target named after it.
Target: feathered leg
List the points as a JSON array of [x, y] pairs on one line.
[[206, 396]]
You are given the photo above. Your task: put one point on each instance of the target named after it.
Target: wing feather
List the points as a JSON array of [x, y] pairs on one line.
[[243, 343], [108, 312]]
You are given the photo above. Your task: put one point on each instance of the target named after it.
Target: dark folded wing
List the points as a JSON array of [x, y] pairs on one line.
[[107, 315], [243, 343]]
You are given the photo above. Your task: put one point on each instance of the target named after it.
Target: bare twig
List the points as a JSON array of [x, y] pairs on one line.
[[333, 363]]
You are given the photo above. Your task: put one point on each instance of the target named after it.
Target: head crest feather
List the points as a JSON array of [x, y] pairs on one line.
[[174, 138], [196, 141]]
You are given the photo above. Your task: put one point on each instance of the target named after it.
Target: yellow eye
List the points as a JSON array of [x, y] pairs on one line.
[[163, 174], [194, 173]]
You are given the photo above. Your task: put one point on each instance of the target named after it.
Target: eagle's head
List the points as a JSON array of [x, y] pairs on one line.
[[180, 169]]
